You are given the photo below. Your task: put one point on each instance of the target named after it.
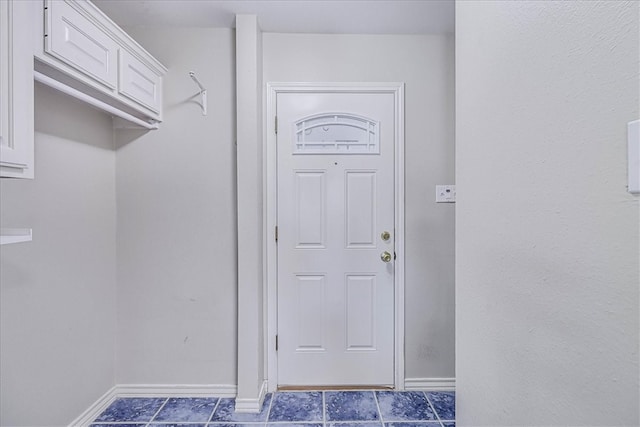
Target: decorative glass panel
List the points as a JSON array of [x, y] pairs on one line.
[[336, 133]]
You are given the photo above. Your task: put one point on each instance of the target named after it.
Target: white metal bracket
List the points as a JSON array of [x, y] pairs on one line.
[[203, 92]]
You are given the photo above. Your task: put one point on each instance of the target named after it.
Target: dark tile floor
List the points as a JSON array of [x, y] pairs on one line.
[[289, 409]]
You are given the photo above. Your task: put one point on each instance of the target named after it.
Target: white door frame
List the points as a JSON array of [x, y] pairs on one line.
[[270, 215]]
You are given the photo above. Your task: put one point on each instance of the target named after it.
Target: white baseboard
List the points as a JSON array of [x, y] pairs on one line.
[[430, 384], [220, 390], [152, 390], [96, 409], [176, 390], [252, 406]]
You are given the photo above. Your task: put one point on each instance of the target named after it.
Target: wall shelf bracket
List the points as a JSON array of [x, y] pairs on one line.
[[203, 92]]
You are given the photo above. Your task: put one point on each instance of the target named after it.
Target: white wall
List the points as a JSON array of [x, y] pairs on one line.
[[425, 64], [547, 238], [177, 293], [57, 293]]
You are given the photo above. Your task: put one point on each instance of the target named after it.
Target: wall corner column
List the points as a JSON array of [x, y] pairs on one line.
[[251, 373]]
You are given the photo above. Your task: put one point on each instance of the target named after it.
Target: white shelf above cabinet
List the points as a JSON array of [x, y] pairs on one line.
[[68, 90], [15, 235]]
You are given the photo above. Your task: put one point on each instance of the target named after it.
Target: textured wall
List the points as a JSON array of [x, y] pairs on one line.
[[425, 64], [177, 293], [57, 293], [547, 238]]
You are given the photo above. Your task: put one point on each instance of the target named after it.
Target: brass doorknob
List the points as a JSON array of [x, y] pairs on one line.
[[385, 236], [385, 256]]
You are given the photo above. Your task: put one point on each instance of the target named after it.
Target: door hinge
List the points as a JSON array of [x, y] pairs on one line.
[[276, 343], [276, 124], [46, 22], [276, 233]]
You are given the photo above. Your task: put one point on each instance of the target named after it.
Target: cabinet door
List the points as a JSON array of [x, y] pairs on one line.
[[16, 90], [139, 83], [5, 37], [77, 41]]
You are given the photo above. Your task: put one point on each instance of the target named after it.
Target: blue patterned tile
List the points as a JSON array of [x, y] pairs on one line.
[[169, 425], [414, 424], [449, 424], [404, 406], [118, 425], [131, 409], [225, 412], [358, 424], [191, 409], [351, 406], [289, 425], [242, 425], [296, 406], [444, 403]]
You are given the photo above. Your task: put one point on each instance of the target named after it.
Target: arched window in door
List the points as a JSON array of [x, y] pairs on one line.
[[336, 133]]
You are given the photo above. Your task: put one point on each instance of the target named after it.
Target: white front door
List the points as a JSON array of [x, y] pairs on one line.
[[335, 217]]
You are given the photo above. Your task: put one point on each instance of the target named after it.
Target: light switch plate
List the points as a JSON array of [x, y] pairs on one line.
[[445, 193], [633, 171]]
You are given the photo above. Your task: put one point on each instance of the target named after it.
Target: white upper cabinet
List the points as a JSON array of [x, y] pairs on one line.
[[84, 49], [16, 90], [79, 50], [75, 40]]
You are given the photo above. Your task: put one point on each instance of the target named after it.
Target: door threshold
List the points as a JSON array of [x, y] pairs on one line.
[[332, 387]]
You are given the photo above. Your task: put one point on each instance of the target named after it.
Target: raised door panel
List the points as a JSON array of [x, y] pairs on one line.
[[310, 200], [139, 83], [360, 306], [360, 217], [310, 306], [77, 41]]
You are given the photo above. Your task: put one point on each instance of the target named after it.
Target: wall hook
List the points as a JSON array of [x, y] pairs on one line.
[[203, 92]]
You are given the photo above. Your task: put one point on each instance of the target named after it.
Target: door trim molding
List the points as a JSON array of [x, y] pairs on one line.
[[270, 215]]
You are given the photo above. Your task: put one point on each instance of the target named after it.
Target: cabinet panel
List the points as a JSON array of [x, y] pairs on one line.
[[139, 83], [5, 37], [16, 90], [81, 44]]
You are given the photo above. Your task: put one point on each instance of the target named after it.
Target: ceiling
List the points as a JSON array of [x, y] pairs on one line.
[[291, 16]]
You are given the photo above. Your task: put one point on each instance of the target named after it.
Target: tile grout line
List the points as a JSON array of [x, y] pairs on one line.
[[215, 407], [324, 410], [157, 412], [273, 397], [375, 398], [433, 408]]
